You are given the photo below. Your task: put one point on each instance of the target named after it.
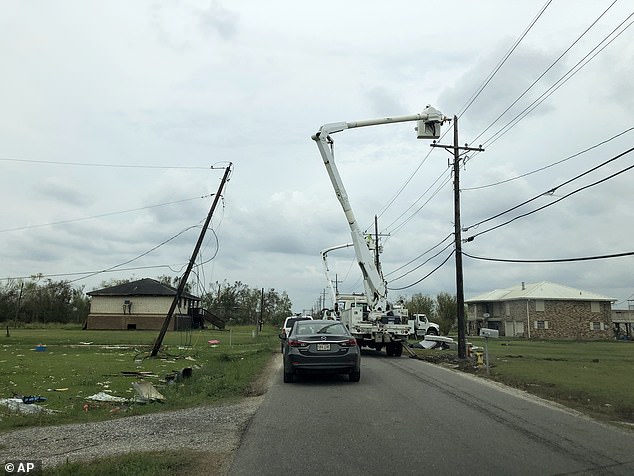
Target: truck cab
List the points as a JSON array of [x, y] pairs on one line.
[[420, 326]]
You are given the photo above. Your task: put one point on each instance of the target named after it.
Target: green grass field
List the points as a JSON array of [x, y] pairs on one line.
[[77, 364], [593, 377]]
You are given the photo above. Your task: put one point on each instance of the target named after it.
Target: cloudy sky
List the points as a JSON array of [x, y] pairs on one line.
[[118, 119]]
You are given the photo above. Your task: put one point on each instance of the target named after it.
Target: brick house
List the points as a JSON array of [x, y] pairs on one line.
[[542, 310], [144, 304]]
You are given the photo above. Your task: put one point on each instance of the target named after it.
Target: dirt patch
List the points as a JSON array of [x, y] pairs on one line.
[[263, 382]]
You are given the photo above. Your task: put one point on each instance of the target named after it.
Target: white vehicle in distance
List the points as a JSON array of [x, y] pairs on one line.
[[288, 325]]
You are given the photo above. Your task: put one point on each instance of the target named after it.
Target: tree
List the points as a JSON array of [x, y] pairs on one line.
[[419, 304], [47, 301], [446, 311]]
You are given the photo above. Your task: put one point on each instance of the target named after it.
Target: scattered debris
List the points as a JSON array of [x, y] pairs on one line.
[[177, 375], [146, 392], [40, 348], [213, 342], [18, 406], [33, 399], [434, 342], [104, 397], [135, 373]]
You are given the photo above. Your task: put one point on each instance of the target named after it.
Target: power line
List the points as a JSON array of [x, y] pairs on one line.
[[121, 166], [549, 166], [423, 263], [73, 220], [501, 63], [560, 82], [552, 190], [139, 256], [545, 71], [561, 260], [426, 276], [78, 273], [420, 255], [471, 238]]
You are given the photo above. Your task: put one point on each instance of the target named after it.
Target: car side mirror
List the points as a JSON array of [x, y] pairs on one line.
[[282, 336]]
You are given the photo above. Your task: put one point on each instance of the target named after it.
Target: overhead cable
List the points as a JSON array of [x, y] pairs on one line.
[[545, 72], [73, 220], [559, 83], [561, 260], [547, 166], [471, 238], [426, 276], [422, 264], [553, 189], [501, 63]]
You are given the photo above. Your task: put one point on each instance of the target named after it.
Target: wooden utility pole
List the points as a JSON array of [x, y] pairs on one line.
[[456, 149], [183, 280]]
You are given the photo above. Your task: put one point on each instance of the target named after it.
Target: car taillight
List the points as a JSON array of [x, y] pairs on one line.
[[296, 343], [349, 343]]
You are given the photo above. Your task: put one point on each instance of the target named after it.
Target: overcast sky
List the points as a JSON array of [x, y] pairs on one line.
[[118, 116]]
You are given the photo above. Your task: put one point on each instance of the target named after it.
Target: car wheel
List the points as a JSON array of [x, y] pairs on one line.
[[288, 377], [355, 375]]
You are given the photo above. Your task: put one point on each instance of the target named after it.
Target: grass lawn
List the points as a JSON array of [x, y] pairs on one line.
[[592, 377], [77, 364]]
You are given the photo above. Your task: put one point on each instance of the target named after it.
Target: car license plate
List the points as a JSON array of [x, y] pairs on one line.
[[323, 346]]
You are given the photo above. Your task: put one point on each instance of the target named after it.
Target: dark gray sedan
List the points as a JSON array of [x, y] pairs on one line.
[[321, 346]]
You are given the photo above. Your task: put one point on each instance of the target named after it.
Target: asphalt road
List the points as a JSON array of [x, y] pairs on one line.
[[410, 417]]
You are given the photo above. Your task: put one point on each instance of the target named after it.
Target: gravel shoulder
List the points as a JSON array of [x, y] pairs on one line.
[[214, 431]]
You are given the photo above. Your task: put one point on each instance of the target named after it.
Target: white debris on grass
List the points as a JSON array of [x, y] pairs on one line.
[[16, 405], [104, 397]]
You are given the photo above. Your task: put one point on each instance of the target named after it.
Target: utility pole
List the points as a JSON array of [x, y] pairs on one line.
[[183, 280], [258, 326], [456, 149]]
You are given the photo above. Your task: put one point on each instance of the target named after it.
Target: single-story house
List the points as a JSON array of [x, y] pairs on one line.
[[542, 310], [144, 304]]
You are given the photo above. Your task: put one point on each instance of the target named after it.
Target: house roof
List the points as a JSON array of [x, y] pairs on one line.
[[544, 290], [142, 287]]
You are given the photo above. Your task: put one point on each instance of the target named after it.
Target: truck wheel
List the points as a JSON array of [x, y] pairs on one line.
[[432, 332], [398, 350], [355, 375], [389, 349]]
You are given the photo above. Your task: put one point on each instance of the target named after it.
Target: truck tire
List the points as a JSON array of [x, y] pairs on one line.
[[355, 375], [398, 349], [432, 332]]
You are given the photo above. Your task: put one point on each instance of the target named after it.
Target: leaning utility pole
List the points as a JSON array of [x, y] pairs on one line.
[[183, 280], [455, 148]]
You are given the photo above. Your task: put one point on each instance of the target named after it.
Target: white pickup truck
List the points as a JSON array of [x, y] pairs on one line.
[[420, 326]]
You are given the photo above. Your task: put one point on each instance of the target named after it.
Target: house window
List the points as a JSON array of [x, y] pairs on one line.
[[541, 324], [596, 326], [539, 305], [595, 306]]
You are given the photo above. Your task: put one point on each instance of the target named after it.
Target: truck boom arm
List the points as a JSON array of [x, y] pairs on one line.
[[373, 281], [324, 253]]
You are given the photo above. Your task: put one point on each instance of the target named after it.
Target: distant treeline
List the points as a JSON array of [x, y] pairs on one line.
[[39, 300]]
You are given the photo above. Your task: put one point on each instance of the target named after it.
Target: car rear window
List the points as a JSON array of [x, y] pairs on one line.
[[291, 322], [334, 328]]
